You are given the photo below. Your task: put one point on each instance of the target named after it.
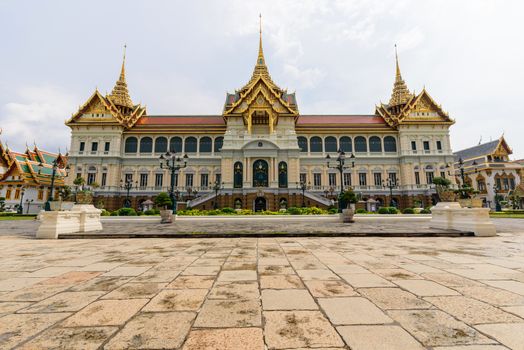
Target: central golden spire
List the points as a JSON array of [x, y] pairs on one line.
[[260, 67], [120, 94], [400, 94]]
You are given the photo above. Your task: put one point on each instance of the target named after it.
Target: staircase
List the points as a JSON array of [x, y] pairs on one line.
[[318, 198], [199, 200]]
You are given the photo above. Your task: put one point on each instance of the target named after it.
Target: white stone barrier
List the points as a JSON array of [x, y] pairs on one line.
[[451, 216], [81, 218]]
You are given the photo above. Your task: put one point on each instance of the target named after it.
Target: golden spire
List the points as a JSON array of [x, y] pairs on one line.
[[120, 94], [260, 67], [400, 94]]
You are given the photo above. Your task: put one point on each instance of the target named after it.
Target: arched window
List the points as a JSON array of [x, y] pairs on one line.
[[205, 144], [345, 144], [146, 145], [238, 175], [330, 144], [190, 145], [360, 144], [219, 142], [302, 143], [131, 145], [260, 173], [175, 144], [375, 144], [315, 144], [160, 145], [390, 144], [282, 175]]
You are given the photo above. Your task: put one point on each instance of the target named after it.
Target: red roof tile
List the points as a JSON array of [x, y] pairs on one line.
[[182, 120], [339, 119]]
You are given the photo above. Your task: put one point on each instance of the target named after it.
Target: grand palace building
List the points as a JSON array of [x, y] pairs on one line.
[[261, 151]]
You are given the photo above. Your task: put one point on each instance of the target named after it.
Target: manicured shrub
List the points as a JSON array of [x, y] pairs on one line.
[[425, 211], [105, 213], [393, 210], [408, 211], [114, 213], [149, 212], [383, 210], [332, 210], [127, 212], [294, 211], [228, 210], [362, 211]]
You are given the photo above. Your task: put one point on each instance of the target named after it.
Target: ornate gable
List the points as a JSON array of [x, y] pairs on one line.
[[423, 108], [502, 150]]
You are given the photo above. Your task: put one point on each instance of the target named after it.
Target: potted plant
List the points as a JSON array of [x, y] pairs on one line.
[[445, 193], [66, 198], [84, 194], [163, 202], [348, 200], [467, 197]]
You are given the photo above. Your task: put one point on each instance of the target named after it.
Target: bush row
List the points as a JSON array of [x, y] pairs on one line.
[[393, 210], [129, 212], [231, 211]]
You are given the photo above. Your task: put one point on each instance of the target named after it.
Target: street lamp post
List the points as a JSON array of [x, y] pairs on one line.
[[127, 185], [497, 203], [47, 205], [20, 209], [461, 168], [341, 160], [391, 184], [173, 163], [217, 186]]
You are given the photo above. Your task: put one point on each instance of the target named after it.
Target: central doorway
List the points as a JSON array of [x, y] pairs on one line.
[[260, 173], [260, 204]]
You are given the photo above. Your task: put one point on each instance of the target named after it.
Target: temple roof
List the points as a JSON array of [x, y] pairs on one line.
[[481, 150], [181, 120], [339, 119], [120, 94], [400, 94]]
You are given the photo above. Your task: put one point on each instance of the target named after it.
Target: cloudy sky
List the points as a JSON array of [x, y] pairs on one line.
[[182, 57]]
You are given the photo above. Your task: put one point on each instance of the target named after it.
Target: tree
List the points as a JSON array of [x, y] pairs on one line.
[[79, 182], [162, 200], [344, 199], [2, 204]]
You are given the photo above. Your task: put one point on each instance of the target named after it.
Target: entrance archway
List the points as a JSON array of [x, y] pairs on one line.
[[260, 173], [260, 204]]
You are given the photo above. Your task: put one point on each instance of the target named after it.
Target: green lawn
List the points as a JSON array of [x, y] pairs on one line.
[[507, 215], [5, 218]]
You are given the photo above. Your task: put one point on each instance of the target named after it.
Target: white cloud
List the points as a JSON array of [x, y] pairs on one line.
[[37, 114]]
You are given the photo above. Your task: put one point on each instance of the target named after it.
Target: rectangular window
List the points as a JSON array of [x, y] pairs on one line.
[[78, 175], [413, 145], [143, 180], [176, 180], [8, 194], [417, 178], [512, 183], [104, 180], [317, 179], [506, 183], [159, 179], [107, 145], [17, 193], [429, 177], [303, 178], [218, 178], [82, 146], [481, 186], [189, 180], [94, 146], [499, 183], [443, 174], [426, 146], [393, 178], [377, 179], [91, 177], [347, 179], [41, 194], [204, 180], [129, 178], [439, 145], [362, 179], [332, 179]]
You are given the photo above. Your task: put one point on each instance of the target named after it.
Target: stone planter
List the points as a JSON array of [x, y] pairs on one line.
[[55, 205], [347, 215], [67, 205], [471, 202], [447, 196], [84, 198], [166, 216]]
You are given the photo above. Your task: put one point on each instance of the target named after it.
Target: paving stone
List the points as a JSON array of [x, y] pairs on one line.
[[225, 339], [393, 298], [238, 275], [275, 270], [510, 286], [347, 268], [8, 307], [51, 271], [229, 313], [280, 282], [292, 329], [436, 328], [235, 290], [105, 313], [65, 301], [71, 278], [378, 338], [192, 282], [472, 311], [33, 293], [137, 290], [321, 289], [15, 283], [101, 266], [153, 331], [352, 310], [425, 288], [317, 274], [105, 284], [16, 328], [177, 300], [159, 276], [471, 347], [287, 299], [492, 295], [517, 310], [85, 338], [450, 280], [238, 266], [201, 270], [127, 271], [273, 261], [395, 274], [509, 334], [364, 280]]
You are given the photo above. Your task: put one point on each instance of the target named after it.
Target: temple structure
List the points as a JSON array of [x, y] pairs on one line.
[[25, 178], [261, 151]]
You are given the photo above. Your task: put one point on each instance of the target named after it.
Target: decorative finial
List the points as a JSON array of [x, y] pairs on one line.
[[396, 61], [260, 23]]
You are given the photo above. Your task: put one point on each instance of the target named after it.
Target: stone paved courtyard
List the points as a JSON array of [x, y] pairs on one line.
[[372, 293]]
